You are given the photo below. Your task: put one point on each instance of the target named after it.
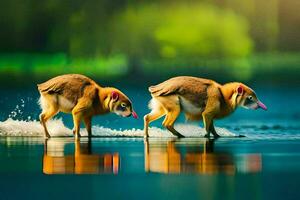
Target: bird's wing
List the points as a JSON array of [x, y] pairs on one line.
[[70, 86], [181, 86]]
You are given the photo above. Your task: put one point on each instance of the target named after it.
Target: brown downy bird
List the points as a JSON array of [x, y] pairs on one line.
[[84, 98], [199, 99]]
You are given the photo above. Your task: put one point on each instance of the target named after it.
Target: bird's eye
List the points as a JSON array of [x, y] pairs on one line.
[[250, 97], [123, 105]]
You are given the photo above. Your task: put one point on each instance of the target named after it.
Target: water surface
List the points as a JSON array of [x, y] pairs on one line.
[[119, 163]]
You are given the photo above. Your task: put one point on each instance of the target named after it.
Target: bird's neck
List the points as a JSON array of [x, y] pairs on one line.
[[230, 96], [105, 98]]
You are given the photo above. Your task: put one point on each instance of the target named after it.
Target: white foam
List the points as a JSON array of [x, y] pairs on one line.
[[12, 127], [186, 130], [56, 127]]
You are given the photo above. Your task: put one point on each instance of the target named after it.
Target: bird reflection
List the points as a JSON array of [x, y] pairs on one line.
[[57, 160], [190, 156]]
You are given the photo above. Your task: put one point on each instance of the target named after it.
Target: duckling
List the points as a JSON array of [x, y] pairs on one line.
[[83, 97], [197, 98]]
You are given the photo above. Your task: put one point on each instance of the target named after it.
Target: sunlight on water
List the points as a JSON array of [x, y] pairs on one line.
[[56, 127]]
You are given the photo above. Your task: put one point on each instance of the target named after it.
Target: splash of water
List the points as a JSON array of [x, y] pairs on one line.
[[56, 127], [18, 111], [12, 127]]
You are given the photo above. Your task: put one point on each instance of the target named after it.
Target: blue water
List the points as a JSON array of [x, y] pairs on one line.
[[282, 102], [263, 165]]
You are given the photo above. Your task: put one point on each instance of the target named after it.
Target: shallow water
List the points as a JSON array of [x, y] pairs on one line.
[[119, 163], [160, 168]]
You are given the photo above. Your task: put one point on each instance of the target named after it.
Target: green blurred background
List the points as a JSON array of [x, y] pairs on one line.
[[149, 40]]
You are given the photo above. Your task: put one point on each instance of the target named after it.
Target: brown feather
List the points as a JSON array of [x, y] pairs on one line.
[[71, 86], [192, 88], [180, 85]]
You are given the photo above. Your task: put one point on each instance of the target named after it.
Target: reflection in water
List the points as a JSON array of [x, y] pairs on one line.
[[82, 161], [189, 155], [185, 156]]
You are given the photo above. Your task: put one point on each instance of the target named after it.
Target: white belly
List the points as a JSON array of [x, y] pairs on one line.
[[64, 104], [188, 107]]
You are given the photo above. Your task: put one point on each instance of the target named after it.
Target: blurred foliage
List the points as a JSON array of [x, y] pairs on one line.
[[43, 65], [266, 67], [133, 38], [168, 31]]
